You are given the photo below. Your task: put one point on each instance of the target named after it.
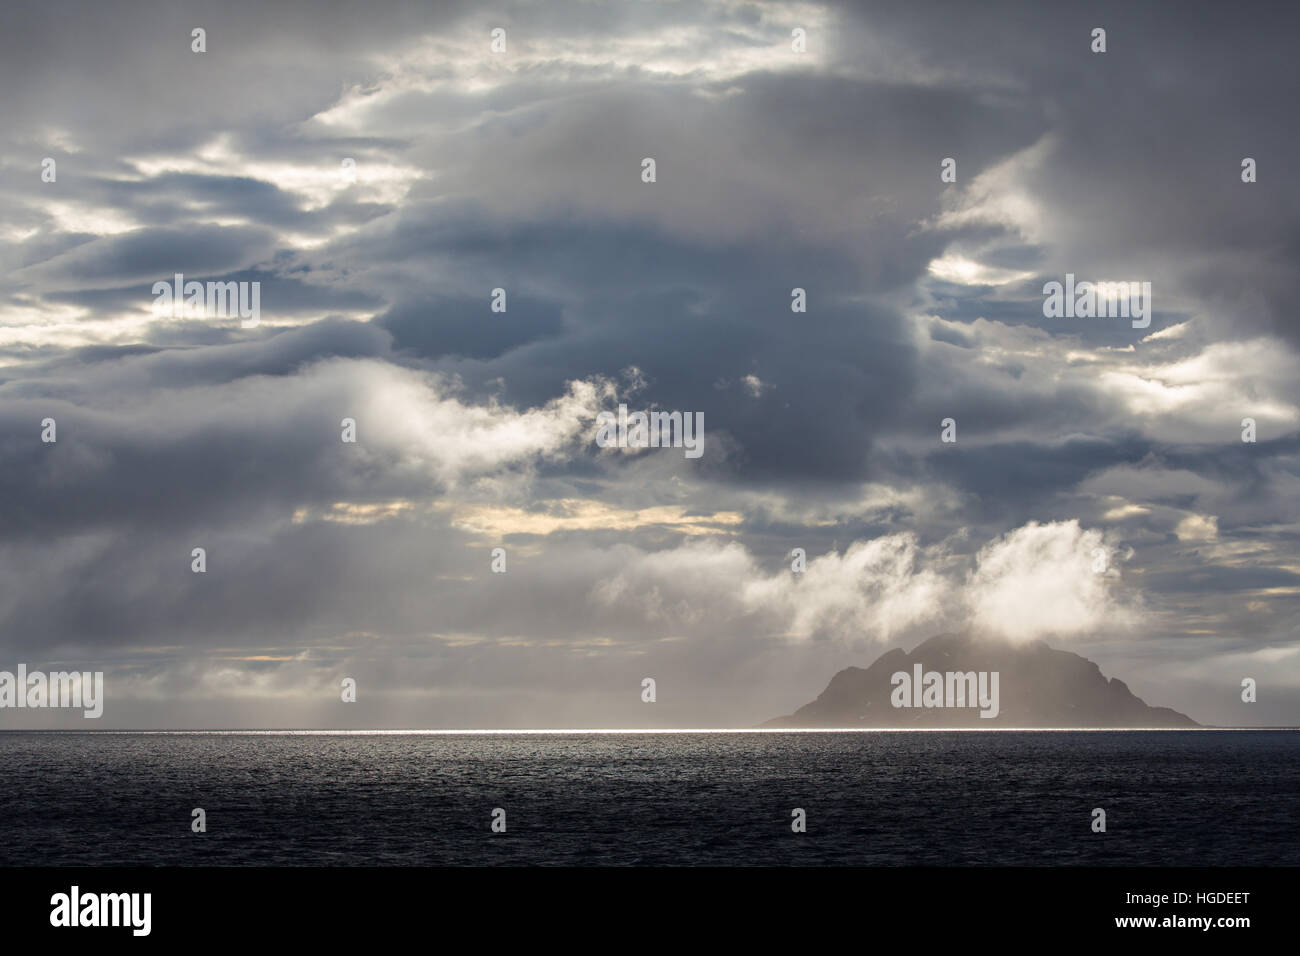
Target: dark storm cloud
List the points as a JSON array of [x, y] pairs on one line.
[[281, 295], [1151, 136], [694, 319], [171, 197], [434, 327], [123, 72], [150, 254]]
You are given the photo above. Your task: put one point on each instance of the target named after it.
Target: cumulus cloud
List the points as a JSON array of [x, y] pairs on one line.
[[415, 420], [877, 588], [1054, 580]]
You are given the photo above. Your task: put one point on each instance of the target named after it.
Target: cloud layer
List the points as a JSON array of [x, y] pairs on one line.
[[381, 171]]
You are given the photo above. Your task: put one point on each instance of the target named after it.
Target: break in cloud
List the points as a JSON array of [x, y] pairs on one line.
[[472, 171]]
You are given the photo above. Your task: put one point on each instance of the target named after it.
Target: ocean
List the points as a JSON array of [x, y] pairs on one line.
[[871, 798]]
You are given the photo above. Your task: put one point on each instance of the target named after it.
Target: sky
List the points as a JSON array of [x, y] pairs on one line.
[[379, 169]]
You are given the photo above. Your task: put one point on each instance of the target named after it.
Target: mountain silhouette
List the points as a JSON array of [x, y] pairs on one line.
[[1037, 686]]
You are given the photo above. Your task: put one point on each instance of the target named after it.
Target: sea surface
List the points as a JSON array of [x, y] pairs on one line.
[[651, 799]]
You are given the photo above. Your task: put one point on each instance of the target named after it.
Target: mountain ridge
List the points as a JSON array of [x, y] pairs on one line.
[[1037, 686]]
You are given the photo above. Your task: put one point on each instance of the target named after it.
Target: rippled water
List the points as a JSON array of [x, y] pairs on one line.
[[871, 798]]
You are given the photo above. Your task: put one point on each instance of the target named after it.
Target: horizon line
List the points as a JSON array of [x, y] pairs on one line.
[[574, 731]]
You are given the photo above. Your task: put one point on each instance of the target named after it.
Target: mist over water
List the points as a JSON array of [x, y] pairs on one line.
[[871, 798]]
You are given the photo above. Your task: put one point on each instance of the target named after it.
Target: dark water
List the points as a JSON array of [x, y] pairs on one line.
[[1199, 798]]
